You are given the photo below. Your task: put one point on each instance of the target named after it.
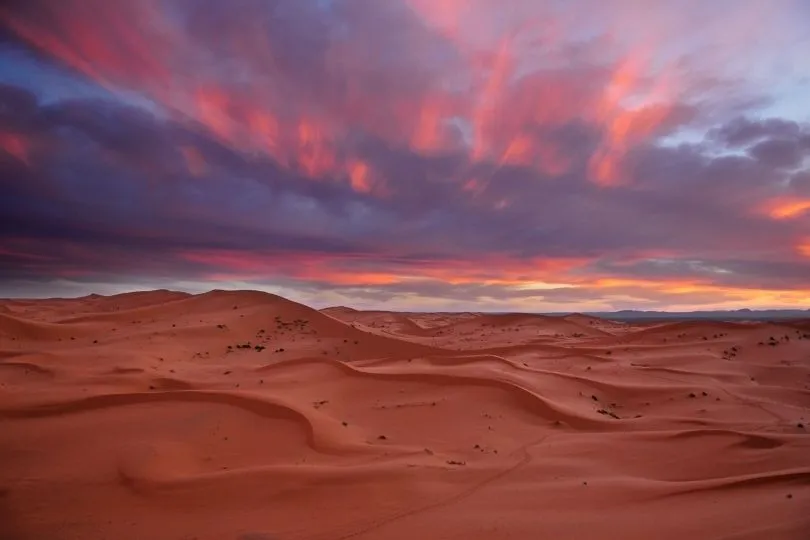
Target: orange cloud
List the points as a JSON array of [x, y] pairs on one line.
[[786, 208], [538, 276], [427, 133], [625, 125], [347, 269], [360, 177]]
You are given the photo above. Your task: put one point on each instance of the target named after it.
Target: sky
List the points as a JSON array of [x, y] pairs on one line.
[[439, 155]]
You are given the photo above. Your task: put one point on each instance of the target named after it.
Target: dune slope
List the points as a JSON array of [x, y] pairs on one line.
[[243, 415]]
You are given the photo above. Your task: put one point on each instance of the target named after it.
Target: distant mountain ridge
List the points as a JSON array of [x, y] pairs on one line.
[[736, 315]]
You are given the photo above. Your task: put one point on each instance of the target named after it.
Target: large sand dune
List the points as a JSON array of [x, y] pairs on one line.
[[243, 415]]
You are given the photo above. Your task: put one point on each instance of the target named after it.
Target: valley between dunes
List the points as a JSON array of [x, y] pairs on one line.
[[245, 416]]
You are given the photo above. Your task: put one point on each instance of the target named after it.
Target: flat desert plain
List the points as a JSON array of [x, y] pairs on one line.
[[245, 416]]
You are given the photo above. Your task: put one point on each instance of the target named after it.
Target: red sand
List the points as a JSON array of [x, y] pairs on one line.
[[138, 417]]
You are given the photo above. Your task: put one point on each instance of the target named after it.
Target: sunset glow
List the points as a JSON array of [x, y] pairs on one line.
[[471, 155]]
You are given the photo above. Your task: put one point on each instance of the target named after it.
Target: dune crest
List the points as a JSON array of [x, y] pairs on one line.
[[236, 414]]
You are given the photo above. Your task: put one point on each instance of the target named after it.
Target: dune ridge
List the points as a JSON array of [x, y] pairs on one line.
[[235, 413]]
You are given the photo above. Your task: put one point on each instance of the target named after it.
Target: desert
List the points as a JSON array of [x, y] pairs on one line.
[[244, 415], [404, 269]]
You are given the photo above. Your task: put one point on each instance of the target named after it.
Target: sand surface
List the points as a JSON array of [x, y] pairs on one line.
[[155, 416]]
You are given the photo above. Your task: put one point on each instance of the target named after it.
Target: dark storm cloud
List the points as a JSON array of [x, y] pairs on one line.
[[744, 131], [16, 104], [780, 153]]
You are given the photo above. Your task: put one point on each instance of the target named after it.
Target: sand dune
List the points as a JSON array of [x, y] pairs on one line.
[[243, 415]]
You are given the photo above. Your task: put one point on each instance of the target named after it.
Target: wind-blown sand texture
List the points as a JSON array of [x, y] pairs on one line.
[[154, 416]]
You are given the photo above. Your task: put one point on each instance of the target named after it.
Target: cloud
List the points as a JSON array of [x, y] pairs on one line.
[[744, 131], [780, 153], [392, 150]]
